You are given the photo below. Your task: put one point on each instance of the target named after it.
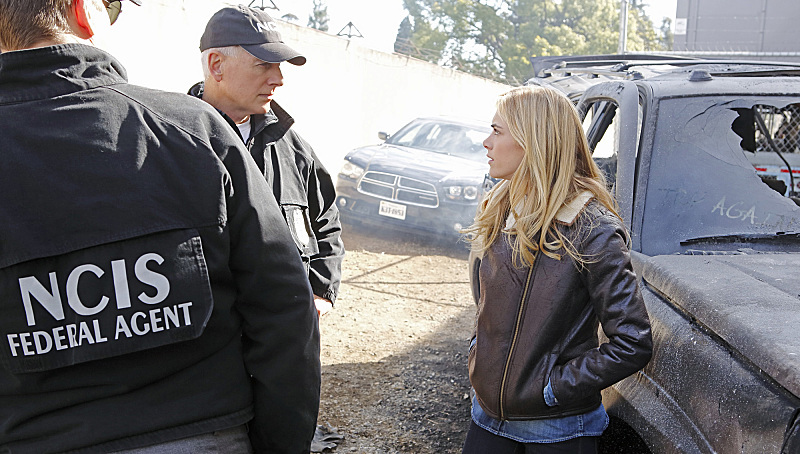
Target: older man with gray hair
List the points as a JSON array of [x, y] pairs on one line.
[[242, 51]]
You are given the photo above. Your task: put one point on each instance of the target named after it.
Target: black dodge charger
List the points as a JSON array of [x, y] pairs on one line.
[[427, 176]]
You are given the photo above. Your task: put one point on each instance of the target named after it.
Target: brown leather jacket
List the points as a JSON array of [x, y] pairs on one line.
[[540, 323]]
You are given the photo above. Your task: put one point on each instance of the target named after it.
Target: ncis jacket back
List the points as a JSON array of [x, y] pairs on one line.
[[149, 288]]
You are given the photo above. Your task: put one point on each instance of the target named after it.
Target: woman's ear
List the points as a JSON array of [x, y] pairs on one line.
[[84, 26]]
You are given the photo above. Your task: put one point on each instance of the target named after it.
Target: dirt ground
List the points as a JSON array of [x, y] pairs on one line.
[[394, 350]]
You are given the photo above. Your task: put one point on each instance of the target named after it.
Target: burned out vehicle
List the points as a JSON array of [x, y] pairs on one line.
[[703, 158], [426, 177]]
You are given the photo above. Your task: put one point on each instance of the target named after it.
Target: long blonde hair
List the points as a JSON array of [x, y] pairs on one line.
[[557, 166]]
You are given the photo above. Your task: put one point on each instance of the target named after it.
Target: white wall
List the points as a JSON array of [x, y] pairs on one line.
[[340, 98]]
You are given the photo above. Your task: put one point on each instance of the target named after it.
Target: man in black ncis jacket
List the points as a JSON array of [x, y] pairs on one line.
[[150, 291]]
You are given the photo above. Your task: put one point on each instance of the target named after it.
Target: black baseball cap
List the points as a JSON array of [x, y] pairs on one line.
[[252, 29]]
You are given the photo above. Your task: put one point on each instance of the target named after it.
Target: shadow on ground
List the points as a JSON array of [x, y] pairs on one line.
[[391, 241], [395, 348], [415, 401]]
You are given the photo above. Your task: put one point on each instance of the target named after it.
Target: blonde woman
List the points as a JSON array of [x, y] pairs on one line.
[[555, 264]]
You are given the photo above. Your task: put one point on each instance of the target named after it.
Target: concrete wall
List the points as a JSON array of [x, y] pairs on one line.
[[340, 98]]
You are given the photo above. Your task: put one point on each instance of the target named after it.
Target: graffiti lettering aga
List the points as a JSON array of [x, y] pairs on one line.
[[748, 213]]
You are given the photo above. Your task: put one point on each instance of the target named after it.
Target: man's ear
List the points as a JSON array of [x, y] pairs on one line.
[[215, 64], [84, 26]]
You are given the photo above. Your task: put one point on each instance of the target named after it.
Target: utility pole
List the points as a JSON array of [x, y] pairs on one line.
[[623, 27]]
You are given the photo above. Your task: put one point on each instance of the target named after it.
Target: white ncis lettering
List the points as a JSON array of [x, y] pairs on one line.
[[142, 323], [76, 335], [60, 337], [31, 288], [262, 26]]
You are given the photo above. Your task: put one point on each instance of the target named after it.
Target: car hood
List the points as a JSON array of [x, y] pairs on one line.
[[421, 164], [752, 302]]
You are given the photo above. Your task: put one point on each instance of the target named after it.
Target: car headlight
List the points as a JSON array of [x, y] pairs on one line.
[[458, 192], [351, 170]]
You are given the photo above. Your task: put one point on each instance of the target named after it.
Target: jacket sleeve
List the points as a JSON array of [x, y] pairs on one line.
[[325, 271], [280, 327], [617, 301]]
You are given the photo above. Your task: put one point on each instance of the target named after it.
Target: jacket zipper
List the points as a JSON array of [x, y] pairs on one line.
[[514, 340]]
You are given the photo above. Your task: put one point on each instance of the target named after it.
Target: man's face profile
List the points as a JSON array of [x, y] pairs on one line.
[[249, 83]]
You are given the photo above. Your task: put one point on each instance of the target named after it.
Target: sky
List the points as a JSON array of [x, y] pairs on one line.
[[659, 9], [378, 20]]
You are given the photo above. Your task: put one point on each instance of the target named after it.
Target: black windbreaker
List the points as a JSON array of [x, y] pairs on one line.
[[149, 287], [304, 190]]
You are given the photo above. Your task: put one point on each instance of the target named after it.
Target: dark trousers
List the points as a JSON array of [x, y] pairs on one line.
[[481, 441], [228, 441]]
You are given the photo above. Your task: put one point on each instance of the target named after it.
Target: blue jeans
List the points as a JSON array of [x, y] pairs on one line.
[[228, 441], [481, 441]]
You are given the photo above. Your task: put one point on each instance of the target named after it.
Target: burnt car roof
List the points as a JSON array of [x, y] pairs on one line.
[[574, 74]]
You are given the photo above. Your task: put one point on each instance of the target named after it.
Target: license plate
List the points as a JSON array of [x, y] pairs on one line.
[[392, 210]]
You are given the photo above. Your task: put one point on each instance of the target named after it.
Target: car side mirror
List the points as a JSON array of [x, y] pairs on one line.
[[383, 136]]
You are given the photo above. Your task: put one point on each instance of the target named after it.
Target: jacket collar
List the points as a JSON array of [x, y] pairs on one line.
[[197, 91], [276, 121], [570, 211], [567, 213], [47, 72]]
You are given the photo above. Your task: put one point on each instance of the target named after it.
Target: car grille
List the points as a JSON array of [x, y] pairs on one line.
[[398, 188]]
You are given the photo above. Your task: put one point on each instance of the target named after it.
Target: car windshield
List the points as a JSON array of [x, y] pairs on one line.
[[715, 169], [453, 139]]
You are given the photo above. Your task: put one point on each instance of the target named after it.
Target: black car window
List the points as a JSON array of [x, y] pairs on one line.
[[405, 137], [447, 138], [600, 126], [711, 168]]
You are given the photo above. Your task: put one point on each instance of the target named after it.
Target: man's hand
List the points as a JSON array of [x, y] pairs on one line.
[[323, 306]]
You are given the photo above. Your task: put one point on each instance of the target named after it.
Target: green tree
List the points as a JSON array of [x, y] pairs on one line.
[[319, 16], [666, 39], [496, 38], [402, 44], [641, 32]]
